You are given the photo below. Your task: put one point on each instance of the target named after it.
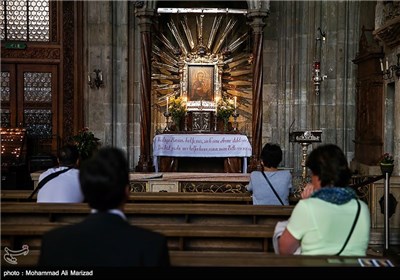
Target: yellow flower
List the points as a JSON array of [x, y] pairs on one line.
[[177, 107]]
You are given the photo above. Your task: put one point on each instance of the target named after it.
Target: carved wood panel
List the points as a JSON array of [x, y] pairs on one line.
[[370, 102]]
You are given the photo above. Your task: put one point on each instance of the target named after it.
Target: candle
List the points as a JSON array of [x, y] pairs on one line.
[[381, 64], [387, 64], [89, 80], [167, 104], [235, 101], [101, 76]]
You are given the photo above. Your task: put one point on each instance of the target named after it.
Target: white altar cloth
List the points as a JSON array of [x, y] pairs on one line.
[[201, 145]]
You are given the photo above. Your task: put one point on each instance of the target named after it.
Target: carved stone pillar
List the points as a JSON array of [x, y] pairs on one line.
[[387, 31], [257, 24], [145, 16]]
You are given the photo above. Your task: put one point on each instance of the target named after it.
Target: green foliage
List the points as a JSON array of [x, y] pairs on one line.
[[86, 143], [386, 159], [225, 108]]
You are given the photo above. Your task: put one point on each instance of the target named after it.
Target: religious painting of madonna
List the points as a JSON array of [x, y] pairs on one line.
[[201, 83]]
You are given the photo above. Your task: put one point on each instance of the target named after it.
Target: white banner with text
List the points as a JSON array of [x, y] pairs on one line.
[[201, 145]]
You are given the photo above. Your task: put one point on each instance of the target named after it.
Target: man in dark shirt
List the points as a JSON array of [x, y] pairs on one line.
[[104, 238]]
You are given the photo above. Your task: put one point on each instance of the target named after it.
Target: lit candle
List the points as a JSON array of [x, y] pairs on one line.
[[167, 104], [381, 64], [185, 102]]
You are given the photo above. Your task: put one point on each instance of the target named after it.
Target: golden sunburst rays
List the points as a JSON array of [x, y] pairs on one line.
[[199, 23], [188, 36], [215, 27], [178, 37], [228, 28], [237, 81]]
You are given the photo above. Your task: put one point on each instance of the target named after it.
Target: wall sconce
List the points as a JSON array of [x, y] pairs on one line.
[[317, 76], [95, 79], [390, 70]]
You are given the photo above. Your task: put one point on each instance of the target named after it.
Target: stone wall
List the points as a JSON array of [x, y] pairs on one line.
[[112, 45]]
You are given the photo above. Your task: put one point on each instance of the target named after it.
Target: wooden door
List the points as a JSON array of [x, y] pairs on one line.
[[29, 99]]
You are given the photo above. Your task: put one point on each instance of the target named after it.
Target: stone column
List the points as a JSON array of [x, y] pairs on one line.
[[257, 17], [145, 16], [396, 133]]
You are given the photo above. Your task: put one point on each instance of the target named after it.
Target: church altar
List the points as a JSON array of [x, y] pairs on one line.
[[201, 145]]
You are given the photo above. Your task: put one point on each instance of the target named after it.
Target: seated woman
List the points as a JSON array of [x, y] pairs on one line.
[[276, 191], [329, 220]]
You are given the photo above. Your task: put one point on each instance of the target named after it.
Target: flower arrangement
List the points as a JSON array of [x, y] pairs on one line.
[[386, 159], [225, 108], [177, 108], [86, 142]]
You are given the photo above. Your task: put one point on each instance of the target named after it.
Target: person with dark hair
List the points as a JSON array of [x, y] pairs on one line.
[[330, 219], [270, 186], [105, 238], [61, 184]]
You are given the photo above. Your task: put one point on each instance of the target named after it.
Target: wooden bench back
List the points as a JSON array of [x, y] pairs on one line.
[[180, 236], [150, 213], [153, 197], [187, 226], [230, 259]]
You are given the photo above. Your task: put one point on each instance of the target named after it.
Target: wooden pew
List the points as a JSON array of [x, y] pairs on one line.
[[152, 197], [256, 259], [187, 226], [16, 195], [180, 236], [228, 259], [149, 213]]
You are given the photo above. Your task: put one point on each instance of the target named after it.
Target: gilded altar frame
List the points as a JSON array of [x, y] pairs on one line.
[[212, 68]]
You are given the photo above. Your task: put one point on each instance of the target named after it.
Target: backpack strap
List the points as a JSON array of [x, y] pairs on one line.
[[272, 187], [352, 228], [46, 179]]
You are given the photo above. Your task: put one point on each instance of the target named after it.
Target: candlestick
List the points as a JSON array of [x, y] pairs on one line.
[[167, 124], [215, 118], [235, 123]]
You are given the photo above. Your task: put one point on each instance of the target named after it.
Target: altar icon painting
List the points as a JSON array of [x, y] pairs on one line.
[[201, 82]]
